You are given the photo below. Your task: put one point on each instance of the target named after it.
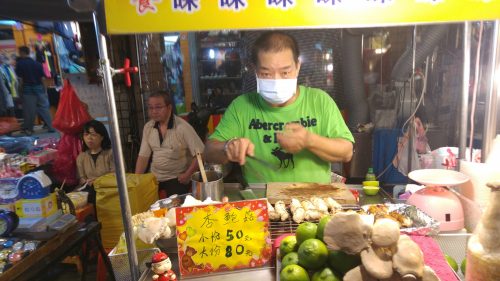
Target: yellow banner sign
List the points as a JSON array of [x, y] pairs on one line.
[[146, 16], [223, 237]]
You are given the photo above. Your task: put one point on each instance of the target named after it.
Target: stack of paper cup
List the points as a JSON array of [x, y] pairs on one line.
[[480, 174]]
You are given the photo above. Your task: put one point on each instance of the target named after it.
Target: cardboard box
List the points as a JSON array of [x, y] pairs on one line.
[[37, 208]]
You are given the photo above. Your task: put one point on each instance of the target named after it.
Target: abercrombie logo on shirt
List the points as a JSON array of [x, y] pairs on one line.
[[285, 158]]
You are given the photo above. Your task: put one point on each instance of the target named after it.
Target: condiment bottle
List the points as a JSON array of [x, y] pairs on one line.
[[370, 176]]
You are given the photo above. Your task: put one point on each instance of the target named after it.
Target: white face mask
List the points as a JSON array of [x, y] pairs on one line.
[[276, 91]]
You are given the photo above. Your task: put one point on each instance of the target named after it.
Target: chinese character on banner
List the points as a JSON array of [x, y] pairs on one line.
[[230, 218], [144, 6], [327, 2], [186, 5], [235, 5], [282, 4], [208, 221], [223, 237]]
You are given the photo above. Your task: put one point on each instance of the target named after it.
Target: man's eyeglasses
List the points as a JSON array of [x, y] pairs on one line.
[[155, 108]]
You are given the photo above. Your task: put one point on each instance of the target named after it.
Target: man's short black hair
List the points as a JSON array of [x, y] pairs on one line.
[[275, 41], [165, 95]]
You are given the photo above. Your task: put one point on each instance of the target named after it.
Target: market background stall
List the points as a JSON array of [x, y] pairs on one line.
[[334, 15]]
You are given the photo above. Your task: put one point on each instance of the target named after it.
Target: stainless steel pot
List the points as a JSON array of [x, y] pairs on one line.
[[213, 188]]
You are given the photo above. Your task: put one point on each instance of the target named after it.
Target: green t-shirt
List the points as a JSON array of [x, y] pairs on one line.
[[251, 117]]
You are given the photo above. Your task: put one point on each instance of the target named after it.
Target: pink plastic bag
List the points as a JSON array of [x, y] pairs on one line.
[[71, 113], [46, 69]]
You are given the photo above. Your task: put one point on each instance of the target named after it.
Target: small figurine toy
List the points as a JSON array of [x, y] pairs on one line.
[[162, 267]]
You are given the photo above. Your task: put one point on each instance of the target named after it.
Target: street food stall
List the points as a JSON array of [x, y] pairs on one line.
[[175, 16], [257, 223]]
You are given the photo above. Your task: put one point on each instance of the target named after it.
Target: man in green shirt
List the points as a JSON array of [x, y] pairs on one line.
[[297, 128]]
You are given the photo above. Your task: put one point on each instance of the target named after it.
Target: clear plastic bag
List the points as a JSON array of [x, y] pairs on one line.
[[420, 146]]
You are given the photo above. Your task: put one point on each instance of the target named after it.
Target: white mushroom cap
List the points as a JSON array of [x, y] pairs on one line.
[[346, 231], [409, 259], [377, 266], [385, 232], [429, 274]]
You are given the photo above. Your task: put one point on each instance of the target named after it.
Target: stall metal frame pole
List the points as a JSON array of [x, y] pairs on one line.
[[464, 111], [411, 126], [117, 150], [143, 108], [490, 114], [193, 59]]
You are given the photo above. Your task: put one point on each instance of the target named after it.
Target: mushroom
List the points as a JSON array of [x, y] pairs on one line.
[[313, 214], [294, 205], [429, 274], [333, 205], [280, 208], [385, 232], [320, 204], [379, 267], [346, 231], [273, 215], [298, 215], [408, 261], [358, 273]]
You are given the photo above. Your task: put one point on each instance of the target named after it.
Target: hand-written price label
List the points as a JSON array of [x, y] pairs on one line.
[[223, 237]]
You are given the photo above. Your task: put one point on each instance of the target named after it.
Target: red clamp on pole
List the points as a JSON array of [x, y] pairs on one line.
[[126, 70]]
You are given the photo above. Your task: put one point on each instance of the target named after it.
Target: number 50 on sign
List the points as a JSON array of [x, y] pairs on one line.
[[223, 237]]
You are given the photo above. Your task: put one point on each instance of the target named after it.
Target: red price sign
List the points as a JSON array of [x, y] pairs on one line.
[[222, 237]]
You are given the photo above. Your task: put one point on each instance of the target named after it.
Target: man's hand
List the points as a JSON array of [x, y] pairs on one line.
[[238, 149], [184, 178], [294, 138]]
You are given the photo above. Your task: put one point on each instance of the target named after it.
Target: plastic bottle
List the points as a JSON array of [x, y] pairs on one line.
[[370, 176]]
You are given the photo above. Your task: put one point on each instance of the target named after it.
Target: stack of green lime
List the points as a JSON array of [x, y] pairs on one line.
[[305, 256], [306, 230], [294, 272]]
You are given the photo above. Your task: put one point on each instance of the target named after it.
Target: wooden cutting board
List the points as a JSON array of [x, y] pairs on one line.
[[302, 191]]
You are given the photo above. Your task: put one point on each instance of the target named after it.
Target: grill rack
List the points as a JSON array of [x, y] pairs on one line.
[[277, 228]]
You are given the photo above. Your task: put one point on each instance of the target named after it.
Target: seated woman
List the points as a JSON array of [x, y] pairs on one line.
[[96, 159]]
